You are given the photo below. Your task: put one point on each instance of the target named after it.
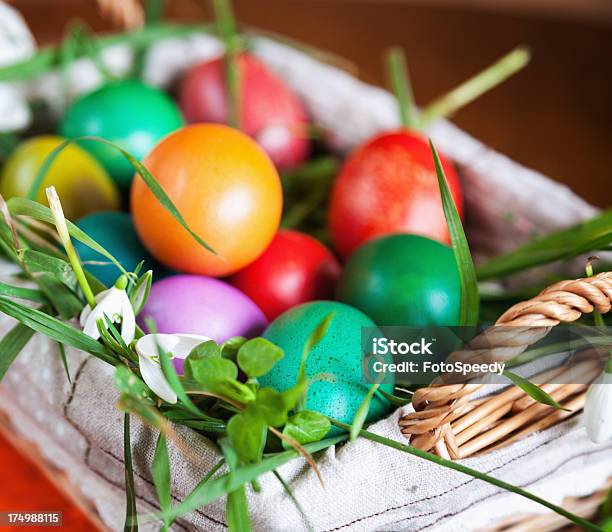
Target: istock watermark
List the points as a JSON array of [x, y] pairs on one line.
[[412, 356]]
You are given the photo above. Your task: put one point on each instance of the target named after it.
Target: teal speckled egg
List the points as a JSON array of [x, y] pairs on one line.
[[338, 354], [115, 232], [403, 279]]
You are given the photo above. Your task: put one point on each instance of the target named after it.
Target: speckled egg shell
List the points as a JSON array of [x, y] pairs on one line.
[[338, 354]]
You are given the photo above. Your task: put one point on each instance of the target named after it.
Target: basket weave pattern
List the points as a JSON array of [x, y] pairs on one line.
[[448, 422]]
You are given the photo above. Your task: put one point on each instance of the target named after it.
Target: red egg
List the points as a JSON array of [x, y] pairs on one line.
[[269, 111], [295, 268], [389, 185]]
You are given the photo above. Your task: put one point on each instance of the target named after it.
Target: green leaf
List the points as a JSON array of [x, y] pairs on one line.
[[177, 387], [272, 406], [585, 237], [394, 399], [55, 329], [362, 412], [247, 433], [470, 300], [12, 344], [224, 484], [160, 471], [131, 512], [140, 293], [306, 427], [257, 357], [230, 348], [150, 181], [127, 382], [211, 370], [533, 390], [206, 349]]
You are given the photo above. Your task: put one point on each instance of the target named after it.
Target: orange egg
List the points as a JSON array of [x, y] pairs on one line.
[[226, 188]]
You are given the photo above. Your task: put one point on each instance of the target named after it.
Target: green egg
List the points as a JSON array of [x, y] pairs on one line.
[[115, 232], [404, 280], [338, 355], [129, 113]]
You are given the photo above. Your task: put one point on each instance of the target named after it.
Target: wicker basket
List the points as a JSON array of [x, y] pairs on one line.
[[447, 421]]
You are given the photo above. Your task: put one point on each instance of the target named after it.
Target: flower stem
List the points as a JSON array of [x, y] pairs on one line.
[[474, 87], [62, 230], [226, 26], [400, 82], [586, 525]]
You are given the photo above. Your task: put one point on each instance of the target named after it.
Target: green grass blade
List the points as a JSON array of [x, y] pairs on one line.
[[55, 329], [131, 516], [226, 28], [592, 235], [533, 390], [236, 506], [362, 412], [397, 71], [26, 207], [456, 466], [62, 351], [470, 300], [226, 483], [12, 344], [22, 293], [295, 502], [160, 471], [150, 181], [476, 86]]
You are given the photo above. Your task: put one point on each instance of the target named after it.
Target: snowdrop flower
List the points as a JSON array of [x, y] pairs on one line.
[[178, 347], [115, 304], [598, 409]]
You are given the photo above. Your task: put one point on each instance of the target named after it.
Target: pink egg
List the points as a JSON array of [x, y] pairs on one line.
[[269, 111], [195, 304]]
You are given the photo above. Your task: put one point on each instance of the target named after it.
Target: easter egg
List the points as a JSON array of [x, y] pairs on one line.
[[226, 188], [295, 268], [269, 111], [129, 113], [389, 185], [82, 184], [115, 232], [406, 280], [339, 354], [194, 304]]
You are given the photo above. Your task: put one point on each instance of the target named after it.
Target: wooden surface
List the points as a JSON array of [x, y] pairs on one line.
[[555, 117]]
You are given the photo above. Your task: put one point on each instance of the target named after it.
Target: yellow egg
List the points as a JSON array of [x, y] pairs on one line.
[[81, 183]]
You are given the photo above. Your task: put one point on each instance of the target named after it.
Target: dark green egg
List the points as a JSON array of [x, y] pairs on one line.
[[338, 355], [129, 113], [405, 280], [115, 232]]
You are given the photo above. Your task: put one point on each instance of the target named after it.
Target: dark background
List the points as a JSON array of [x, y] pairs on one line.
[[554, 117]]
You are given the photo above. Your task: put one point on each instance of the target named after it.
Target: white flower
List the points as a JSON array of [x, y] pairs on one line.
[[178, 346], [598, 409], [115, 304]]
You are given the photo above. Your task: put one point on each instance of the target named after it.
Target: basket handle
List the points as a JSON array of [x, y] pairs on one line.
[[437, 405]]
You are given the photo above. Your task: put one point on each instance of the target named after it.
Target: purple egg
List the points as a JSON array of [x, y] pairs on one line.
[[195, 304]]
